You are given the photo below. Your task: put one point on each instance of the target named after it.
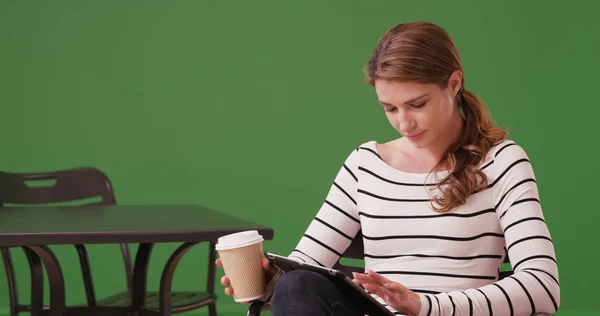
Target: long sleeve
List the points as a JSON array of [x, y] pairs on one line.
[[336, 223], [534, 286]]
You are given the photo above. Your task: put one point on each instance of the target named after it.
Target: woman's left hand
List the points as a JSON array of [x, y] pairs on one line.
[[394, 294]]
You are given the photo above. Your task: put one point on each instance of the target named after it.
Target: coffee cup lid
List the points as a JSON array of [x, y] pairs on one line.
[[238, 240]]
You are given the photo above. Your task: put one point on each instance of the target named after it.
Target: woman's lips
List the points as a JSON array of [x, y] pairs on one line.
[[414, 136]]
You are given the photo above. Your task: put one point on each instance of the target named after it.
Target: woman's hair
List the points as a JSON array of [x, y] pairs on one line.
[[424, 53]]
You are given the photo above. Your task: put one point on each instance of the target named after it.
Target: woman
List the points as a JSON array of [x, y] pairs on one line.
[[438, 207]]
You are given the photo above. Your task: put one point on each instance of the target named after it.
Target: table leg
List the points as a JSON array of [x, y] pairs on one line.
[[140, 276], [167, 277], [55, 278]]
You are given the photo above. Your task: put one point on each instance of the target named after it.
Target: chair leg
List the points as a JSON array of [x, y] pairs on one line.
[[212, 310], [166, 279], [128, 266], [210, 286], [212, 257], [140, 276], [87, 275], [12, 285], [37, 281], [55, 279], [255, 308]]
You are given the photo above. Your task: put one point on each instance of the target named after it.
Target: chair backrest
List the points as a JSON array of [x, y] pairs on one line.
[[503, 273], [68, 185], [356, 250]]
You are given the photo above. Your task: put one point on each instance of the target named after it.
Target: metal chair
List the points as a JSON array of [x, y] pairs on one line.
[[79, 186], [356, 250]]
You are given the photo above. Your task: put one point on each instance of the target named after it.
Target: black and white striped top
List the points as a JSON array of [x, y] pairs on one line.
[[450, 259]]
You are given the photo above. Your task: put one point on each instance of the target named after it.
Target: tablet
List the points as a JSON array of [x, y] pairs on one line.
[[369, 305]]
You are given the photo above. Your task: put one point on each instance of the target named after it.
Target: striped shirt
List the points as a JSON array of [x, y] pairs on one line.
[[450, 259]]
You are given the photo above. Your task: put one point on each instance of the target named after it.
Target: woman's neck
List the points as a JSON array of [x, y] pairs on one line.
[[436, 151]]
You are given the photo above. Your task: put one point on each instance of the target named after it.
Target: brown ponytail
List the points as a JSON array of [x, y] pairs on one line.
[[463, 158], [423, 52]]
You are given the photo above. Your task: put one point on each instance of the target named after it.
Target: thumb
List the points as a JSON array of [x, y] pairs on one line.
[[266, 264], [270, 269]]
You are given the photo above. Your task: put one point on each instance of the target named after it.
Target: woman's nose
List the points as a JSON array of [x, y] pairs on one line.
[[404, 121]]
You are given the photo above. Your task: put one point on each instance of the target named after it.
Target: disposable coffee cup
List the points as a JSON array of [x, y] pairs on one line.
[[241, 255]]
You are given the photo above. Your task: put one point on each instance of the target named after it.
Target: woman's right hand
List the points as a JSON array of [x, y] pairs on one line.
[[270, 272]]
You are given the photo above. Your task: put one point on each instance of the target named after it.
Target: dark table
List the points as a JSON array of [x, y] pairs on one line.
[[36, 228]]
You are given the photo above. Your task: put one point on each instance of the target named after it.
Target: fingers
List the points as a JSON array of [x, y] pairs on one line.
[[360, 278], [225, 280], [387, 294], [373, 289], [227, 283], [378, 278], [229, 291], [395, 287], [380, 291], [376, 281]]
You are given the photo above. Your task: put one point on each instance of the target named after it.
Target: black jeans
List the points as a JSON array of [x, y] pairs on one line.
[[308, 293]]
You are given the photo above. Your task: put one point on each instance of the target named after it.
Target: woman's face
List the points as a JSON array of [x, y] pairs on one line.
[[422, 113]]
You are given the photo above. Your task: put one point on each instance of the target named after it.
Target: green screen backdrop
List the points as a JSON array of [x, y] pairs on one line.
[[250, 107]]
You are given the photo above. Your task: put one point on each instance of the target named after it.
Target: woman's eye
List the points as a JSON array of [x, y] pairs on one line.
[[390, 109], [420, 105]]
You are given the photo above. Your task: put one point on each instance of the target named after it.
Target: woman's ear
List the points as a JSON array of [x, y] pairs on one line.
[[455, 82]]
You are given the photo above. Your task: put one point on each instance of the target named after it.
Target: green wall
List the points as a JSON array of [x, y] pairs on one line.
[[251, 106]]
